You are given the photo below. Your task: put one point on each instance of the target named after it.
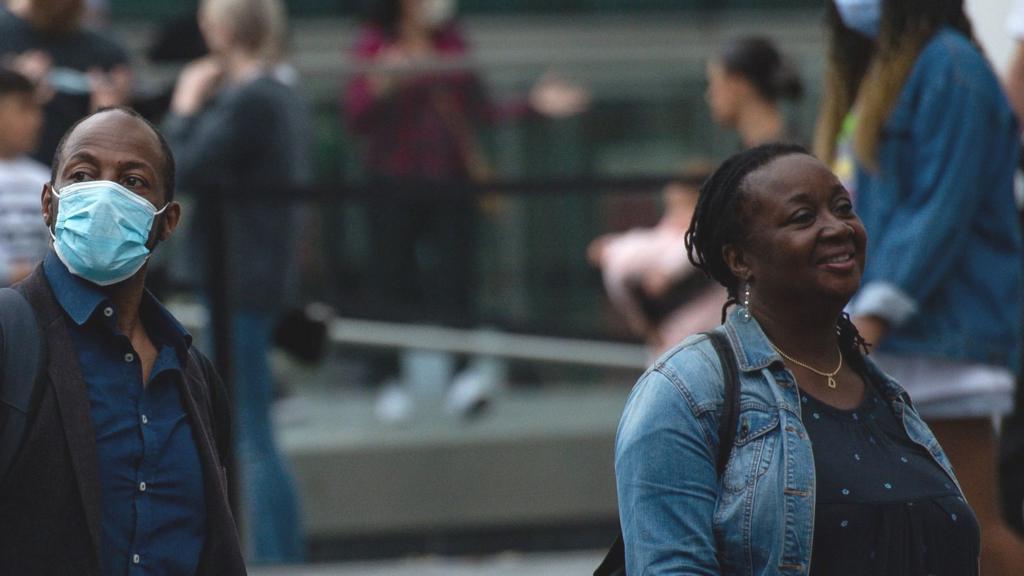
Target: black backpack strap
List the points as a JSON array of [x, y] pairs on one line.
[[22, 354], [614, 563], [731, 399]]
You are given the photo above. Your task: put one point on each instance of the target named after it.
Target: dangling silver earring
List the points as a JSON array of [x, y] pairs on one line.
[[746, 302]]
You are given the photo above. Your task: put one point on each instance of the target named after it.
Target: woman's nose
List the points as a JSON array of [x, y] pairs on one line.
[[835, 226]]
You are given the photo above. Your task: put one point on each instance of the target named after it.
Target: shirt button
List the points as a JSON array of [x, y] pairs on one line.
[[136, 559], [142, 486], [145, 419], [108, 311], [129, 357]]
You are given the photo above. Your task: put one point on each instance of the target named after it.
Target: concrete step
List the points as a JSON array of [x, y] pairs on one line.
[[503, 565], [538, 457]]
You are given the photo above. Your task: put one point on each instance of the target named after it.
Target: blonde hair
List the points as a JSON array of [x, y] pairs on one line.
[[258, 26], [907, 27], [878, 93]]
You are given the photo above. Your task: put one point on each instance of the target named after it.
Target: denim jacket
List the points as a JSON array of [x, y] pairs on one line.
[[944, 246], [677, 516]]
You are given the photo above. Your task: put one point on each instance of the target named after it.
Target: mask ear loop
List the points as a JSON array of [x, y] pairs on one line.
[[53, 219], [156, 240]]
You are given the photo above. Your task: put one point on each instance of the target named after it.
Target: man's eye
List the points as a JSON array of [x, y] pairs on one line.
[[133, 181], [79, 176], [844, 208]]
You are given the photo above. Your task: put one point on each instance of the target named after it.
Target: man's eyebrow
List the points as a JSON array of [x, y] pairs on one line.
[[80, 155], [136, 165]]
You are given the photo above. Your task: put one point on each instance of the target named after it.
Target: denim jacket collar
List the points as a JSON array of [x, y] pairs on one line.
[[754, 352]]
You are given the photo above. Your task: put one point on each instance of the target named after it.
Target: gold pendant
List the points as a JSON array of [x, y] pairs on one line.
[[831, 382]]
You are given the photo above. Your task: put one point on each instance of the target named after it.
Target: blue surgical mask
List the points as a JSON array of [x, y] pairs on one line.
[[101, 230], [864, 16]]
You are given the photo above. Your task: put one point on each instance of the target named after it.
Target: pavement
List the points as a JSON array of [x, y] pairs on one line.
[[510, 564]]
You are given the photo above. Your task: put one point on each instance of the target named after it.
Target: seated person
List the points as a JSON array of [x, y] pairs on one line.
[[649, 279]]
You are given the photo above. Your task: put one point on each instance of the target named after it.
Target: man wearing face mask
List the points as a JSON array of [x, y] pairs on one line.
[[122, 465]]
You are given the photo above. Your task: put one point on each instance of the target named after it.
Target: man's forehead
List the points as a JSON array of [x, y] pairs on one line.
[[114, 135]]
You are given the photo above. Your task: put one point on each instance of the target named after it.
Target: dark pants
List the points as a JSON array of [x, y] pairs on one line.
[[1011, 463], [423, 264]]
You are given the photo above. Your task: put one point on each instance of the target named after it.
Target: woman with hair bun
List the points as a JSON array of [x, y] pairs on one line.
[[645, 271], [747, 82]]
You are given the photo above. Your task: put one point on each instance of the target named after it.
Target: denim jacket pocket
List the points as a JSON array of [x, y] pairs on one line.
[[753, 448]]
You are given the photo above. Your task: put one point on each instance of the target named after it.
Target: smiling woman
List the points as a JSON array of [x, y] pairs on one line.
[[829, 456]]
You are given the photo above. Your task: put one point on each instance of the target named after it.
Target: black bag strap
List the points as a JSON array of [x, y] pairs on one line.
[[731, 403], [614, 563], [22, 354]]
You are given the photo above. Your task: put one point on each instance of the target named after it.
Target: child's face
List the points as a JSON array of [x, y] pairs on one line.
[[21, 118]]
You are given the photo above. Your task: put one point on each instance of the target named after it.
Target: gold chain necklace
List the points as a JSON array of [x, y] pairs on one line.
[[830, 375]]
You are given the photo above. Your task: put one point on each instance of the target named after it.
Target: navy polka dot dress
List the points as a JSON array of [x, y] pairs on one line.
[[884, 507]]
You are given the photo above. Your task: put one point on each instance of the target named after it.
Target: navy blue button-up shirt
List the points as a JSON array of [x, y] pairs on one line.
[[151, 479]]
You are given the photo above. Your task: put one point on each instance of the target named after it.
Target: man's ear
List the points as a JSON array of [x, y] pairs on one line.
[[47, 203], [736, 259], [172, 215]]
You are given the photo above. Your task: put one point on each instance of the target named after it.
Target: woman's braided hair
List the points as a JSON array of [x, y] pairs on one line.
[[718, 220]]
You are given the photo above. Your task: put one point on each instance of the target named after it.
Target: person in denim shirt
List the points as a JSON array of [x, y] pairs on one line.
[[935, 145], [830, 459]]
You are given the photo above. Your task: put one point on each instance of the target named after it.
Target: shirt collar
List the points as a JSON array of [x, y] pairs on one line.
[[80, 299]]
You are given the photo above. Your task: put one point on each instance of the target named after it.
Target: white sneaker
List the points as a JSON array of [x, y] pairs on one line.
[[395, 404], [474, 389]]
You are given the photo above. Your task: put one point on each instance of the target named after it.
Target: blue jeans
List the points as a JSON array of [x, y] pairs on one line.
[[269, 503]]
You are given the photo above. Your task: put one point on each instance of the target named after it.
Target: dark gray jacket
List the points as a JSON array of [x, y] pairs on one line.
[[50, 511], [250, 144]]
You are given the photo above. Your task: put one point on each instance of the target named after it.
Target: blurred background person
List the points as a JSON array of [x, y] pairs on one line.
[[81, 70], [420, 119], [239, 132], [850, 54], [1014, 80], [1011, 430], [748, 82], [935, 147], [23, 238], [648, 277], [96, 15], [646, 273]]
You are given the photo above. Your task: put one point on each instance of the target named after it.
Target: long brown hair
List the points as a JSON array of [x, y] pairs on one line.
[[872, 76]]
